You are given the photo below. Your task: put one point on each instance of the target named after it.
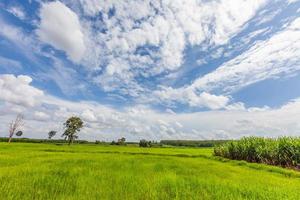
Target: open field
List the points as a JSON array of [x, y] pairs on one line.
[[47, 171]]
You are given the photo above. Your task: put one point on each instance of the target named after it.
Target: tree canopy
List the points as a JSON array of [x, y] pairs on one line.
[[51, 134], [19, 133], [73, 126]]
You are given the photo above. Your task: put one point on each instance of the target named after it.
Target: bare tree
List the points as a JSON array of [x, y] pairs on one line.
[[14, 125]]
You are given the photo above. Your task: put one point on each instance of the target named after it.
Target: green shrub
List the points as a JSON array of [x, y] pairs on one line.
[[193, 143], [284, 151], [145, 143], [121, 141], [100, 142]]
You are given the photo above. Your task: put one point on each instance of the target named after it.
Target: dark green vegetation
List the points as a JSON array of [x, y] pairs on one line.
[[193, 143], [145, 143], [19, 133], [90, 171], [122, 141], [51, 134], [72, 127], [284, 151], [31, 140]]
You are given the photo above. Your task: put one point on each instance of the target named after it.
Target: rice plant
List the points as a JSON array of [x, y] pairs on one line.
[[111, 172]]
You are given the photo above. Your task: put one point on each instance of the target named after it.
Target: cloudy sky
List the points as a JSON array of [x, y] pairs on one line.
[[152, 69]]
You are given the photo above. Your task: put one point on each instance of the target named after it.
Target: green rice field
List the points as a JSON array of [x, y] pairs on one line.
[[62, 172]]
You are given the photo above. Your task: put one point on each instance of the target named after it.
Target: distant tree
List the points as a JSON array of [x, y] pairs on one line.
[[100, 142], [19, 133], [51, 134], [14, 125], [73, 126], [145, 143], [121, 141], [113, 143]]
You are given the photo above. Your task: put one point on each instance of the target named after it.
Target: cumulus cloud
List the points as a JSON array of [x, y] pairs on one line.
[[134, 123], [88, 115], [17, 90], [41, 116], [169, 96], [131, 47], [60, 27], [149, 38], [273, 58]]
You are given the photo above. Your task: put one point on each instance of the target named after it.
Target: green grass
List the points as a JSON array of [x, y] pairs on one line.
[[48, 171]]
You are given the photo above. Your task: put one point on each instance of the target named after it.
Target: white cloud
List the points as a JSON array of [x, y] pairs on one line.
[[168, 95], [89, 116], [17, 90], [41, 116], [276, 57], [27, 44], [292, 1], [230, 16], [134, 123], [9, 64], [239, 106], [60, 27], [17, 11], [163, 28], [66, 78]]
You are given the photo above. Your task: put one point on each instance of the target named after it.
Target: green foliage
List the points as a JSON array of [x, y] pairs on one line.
[[284, 151], [19, 133], [193, 143], [121, 141], [145, 143], [31, 140], [51, 134], [73, 126], [100, 142], [113, 143]]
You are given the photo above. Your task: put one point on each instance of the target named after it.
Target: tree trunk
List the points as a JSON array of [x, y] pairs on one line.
[[9, 140]]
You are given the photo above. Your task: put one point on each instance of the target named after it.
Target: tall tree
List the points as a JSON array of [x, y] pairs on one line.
[[121, 141], [73, 126], [14, 125], [51, 134]]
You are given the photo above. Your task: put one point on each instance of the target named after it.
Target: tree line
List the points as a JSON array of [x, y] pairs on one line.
[[74, 124], [72, 127]]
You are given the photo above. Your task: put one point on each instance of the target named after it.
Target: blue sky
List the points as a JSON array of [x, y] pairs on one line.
[[152, 69]]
